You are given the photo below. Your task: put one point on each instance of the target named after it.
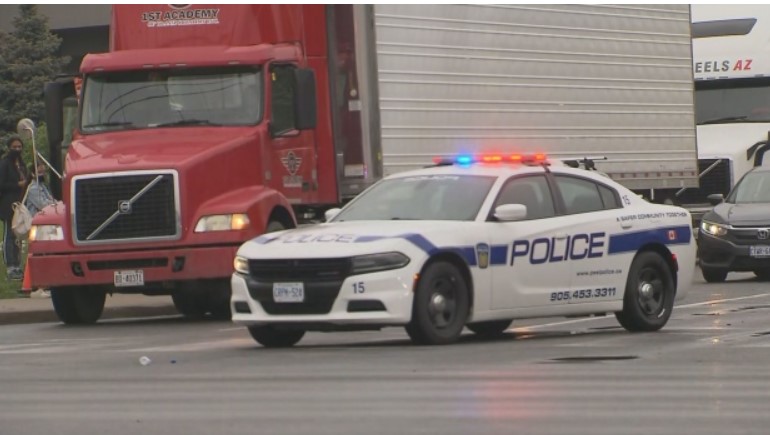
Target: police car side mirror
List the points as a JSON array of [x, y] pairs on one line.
[[331, 213], [715, 198], [511, 212]]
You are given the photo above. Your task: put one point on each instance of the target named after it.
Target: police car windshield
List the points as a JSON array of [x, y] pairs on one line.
[[426, 197]]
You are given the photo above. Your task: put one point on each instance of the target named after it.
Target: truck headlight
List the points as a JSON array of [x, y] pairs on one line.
[[713, 229], [378, 262], [241, 265], [41, 233], [222, 222]]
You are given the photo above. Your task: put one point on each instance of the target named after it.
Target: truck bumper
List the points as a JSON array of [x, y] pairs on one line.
[[71, 269]]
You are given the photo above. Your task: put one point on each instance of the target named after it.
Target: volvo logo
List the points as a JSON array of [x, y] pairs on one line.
[[763, 233], [124, 207]]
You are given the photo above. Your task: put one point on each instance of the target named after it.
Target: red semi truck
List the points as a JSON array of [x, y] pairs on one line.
[[207, 125]]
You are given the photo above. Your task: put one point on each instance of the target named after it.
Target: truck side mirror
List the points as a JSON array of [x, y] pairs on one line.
[[305, 99], [55, 95]]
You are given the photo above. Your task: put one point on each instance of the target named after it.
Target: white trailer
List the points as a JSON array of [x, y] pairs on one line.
[[568, 80], [732, 93]]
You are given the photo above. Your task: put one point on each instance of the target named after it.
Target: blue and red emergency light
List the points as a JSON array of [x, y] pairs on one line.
[[467, 159]]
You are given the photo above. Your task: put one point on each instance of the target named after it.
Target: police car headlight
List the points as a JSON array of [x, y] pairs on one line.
[[241, 265], [40, 233], [713, 229], [222, 222], [378, 262]]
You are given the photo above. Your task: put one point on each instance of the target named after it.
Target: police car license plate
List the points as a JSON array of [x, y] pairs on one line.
[[291, 292], [128, 278], [759, 251]]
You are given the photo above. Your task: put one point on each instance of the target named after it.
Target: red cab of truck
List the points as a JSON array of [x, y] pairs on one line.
[[204, 126]]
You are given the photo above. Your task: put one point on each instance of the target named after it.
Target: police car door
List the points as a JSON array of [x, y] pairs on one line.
[[593, 209], [533, 269]]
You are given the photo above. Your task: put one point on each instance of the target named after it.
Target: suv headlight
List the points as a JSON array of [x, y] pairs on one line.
[[39, 233], [378, 262], [222, 222], [713, 229]]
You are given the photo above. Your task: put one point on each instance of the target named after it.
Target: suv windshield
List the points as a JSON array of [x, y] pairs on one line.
[[729, 101], [753, 188], [167, 98], [426, 197]]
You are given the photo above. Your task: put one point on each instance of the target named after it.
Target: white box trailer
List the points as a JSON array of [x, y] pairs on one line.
[[732, 93], [568, 80]]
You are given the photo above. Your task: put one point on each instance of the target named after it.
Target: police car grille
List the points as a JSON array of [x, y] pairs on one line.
[[153, 214], [323, 269], [321, 279]]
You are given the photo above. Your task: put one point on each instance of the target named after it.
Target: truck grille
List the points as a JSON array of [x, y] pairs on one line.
[[104, 209], [716, 181]]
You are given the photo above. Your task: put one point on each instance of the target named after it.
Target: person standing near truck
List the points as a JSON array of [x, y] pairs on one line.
[[38, 194], [13, 182]]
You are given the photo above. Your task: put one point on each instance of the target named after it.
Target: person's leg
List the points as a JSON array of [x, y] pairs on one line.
[[10, 251]]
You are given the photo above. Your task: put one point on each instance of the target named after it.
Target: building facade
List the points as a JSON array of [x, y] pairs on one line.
[[83, 28]]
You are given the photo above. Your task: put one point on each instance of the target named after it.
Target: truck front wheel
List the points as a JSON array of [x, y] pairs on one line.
[[78, 305]]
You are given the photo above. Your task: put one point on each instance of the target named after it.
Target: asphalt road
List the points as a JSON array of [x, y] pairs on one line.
[[707, 372]]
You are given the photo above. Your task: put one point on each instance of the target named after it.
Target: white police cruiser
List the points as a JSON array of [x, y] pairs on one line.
[[477, 243]]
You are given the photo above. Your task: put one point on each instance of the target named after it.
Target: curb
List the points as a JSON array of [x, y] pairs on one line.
[[48, 315]]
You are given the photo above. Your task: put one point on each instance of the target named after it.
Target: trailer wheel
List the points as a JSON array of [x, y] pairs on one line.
[[78, 305], [490, 329], [269, 336], [649, 296], [440, 307], [713, 275]]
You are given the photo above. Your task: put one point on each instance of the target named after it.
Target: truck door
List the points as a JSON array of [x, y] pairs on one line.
[[293, 162]]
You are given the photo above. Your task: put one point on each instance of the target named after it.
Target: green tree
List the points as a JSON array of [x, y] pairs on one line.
[[28, 60]]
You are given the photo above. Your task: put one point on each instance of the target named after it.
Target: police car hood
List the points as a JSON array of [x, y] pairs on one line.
[[351, 238]]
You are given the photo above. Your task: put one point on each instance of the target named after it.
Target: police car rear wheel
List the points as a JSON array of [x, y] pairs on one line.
[[493, 328], [440, 305], [269, 336], [649, 296], [714, 275]]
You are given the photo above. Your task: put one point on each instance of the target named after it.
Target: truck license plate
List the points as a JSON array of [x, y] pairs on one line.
[[129, 278], [759, 251], [291, 292]]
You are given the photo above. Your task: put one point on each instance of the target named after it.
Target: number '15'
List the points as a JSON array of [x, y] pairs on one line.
[[358, 287]]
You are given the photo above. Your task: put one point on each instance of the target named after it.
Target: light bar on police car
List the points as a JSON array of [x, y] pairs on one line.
[[467, 159]]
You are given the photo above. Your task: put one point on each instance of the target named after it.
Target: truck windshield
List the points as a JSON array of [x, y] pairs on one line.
[[170, 98], [431, 197], [731, 101]]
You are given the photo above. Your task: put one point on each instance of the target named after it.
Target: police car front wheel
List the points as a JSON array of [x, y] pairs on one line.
[[441, 304], [270, 336], [649, 296]]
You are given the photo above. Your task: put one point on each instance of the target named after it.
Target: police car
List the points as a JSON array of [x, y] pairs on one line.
[[476, 242]]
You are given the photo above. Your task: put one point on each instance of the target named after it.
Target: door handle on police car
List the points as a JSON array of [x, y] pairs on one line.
[[560, 236], [626, 224]]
